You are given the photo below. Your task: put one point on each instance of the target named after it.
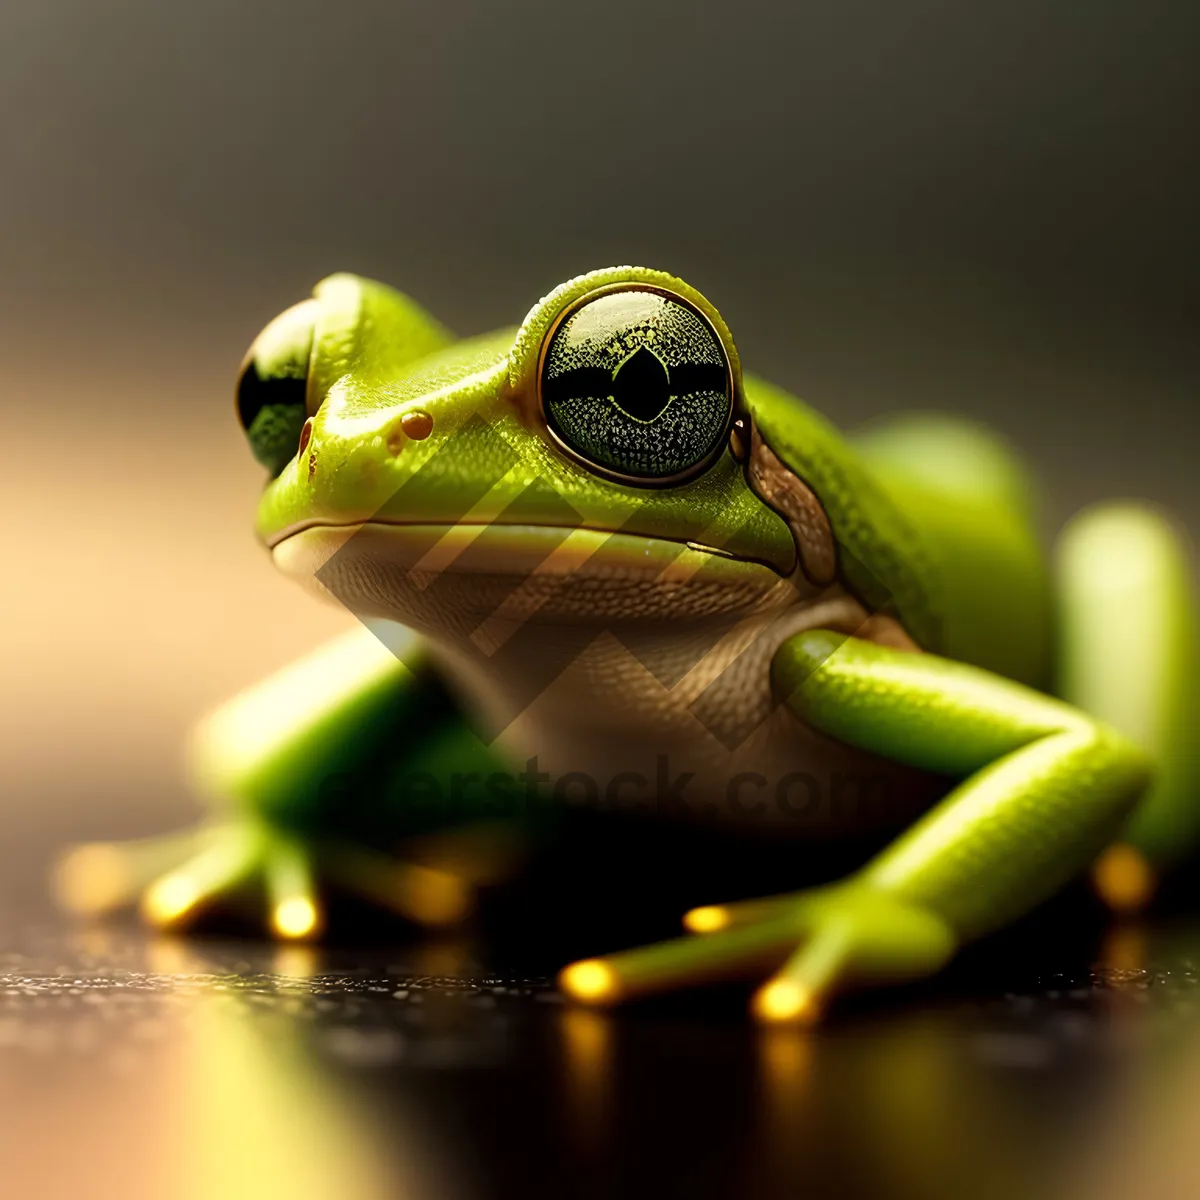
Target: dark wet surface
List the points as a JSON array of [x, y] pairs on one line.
[[1062, 1061]]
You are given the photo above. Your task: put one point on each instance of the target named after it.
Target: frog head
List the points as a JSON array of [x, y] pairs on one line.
[[590, 465]]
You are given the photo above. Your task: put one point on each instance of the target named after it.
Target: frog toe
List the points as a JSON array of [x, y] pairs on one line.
[[100, 877], [214, 876], [177, 878], [430, 896], [749, 950], [804, 948], [1124, 879]]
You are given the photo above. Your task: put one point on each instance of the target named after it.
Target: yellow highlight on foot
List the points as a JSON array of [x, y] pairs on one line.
[[709, 919], [1123, 878], [169, 899], [295, 918], [783, 1000], [591, 980]]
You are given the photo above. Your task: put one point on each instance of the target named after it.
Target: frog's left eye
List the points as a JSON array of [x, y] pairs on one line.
[[272, 388], [635, 382]]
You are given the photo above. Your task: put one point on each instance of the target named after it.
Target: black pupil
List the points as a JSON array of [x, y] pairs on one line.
[[271, 409], [636, 382], [642, 385], [256, 391]]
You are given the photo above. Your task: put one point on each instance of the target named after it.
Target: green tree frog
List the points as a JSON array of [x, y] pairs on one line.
[[590, 556]]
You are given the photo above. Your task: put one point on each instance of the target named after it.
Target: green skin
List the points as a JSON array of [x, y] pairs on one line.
[[899, 616]]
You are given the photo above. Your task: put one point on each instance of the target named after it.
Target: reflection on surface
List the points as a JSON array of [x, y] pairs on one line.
[[209, 1069], [1124, 947], [786, 1066], [179, 1076], [1145, 1143], [891, 1112], [263, 1122], [587, 1061]]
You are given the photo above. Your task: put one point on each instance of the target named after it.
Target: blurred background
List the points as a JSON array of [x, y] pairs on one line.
[[987, 207]]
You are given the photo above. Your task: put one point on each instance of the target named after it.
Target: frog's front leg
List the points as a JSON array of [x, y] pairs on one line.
[[274, 762], [1045, 786]]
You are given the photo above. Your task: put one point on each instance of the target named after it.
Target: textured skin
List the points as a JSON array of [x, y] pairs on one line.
[[359, 465], [694, 631], [955, 559]]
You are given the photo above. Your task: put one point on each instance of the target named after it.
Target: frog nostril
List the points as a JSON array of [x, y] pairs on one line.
[[416, 425], [305, 435]]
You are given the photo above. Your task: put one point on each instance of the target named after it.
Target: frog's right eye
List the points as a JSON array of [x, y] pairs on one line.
[[272, 388], [635, 384]]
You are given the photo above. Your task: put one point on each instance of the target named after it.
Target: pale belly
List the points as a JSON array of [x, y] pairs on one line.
[[634, 685], [688, 732]]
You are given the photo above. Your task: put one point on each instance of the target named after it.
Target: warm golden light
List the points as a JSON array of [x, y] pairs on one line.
[[434, 897], [167, 954], [591, 980], [1124, 947], [169, 899], [92, 879], [295, 960], [708, 919], [783, 1000], [1123, 878], [295, 918], [587, 1044]]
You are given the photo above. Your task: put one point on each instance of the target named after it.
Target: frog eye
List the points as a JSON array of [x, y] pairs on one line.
[[273, 386], [636, 384]]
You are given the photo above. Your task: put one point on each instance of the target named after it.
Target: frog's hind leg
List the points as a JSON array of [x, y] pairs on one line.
[[1129, 653]]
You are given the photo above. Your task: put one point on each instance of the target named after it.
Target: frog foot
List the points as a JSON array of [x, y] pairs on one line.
[[176, 878], [805, 947]]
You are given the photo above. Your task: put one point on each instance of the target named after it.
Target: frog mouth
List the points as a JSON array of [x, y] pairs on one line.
[[492, 546], [436, 576], [471, 562]]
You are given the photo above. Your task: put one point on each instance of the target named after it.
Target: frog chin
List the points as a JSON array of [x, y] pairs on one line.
[[449, 579]]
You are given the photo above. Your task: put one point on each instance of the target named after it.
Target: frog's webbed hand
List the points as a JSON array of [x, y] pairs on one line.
[[266, 761], [1044, 787]]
